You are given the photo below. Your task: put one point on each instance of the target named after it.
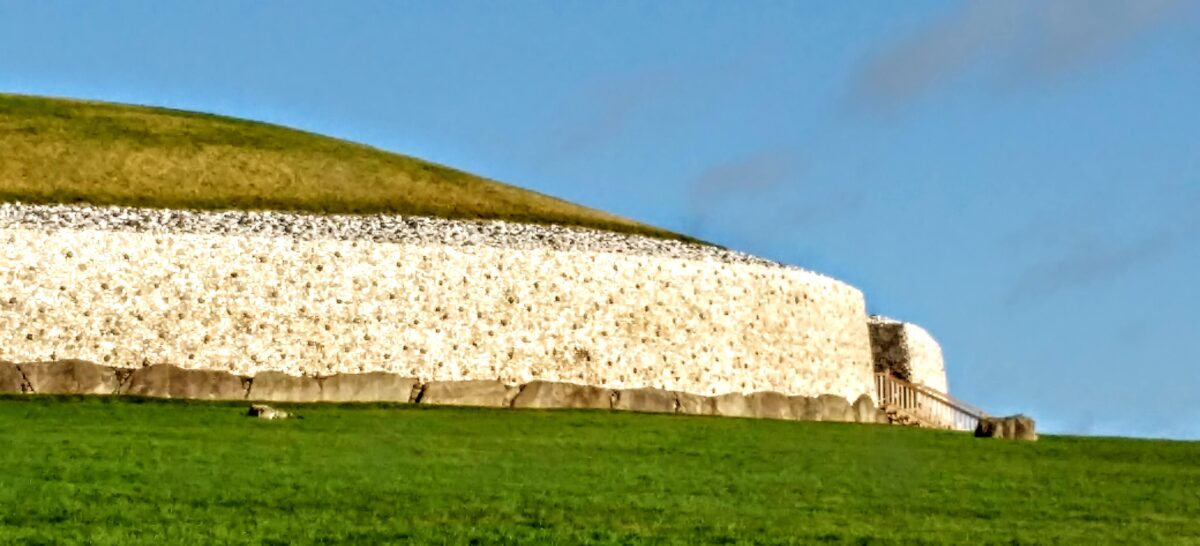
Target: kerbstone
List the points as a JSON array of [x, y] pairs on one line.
[[168, 381], [281, 387], [646, 400], [481, 393], [770, 405], [694, 404], [11, 380], [732, 405], [369, 387], [70, 377], [805, 408], [547, 394], [835, 408], [865, 411]]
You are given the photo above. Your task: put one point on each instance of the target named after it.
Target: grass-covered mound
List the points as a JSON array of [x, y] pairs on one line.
[[114, 471], [68, 151]]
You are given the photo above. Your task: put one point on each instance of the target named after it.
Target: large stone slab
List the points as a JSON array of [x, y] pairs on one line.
[[835, 408], [482, 393], [167, 381], [646, 400], [769, 405], [369, 387], [547, 394], [70, 377], [865, 411], [281, 387], [732, 404], [11, 380], [805, 408], [694, 404], [1015, 427]]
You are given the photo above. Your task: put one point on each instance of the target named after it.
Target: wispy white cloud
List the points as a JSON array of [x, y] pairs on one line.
[[1017, 40]]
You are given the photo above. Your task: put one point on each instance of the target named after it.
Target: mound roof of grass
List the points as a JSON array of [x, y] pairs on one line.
[[69, 151]]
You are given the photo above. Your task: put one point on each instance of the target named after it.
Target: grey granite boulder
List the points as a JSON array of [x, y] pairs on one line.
[[547, 394], [482, 393]]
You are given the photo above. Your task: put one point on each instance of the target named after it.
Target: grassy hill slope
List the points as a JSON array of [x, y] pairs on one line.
[[120, 471], [68, 151]]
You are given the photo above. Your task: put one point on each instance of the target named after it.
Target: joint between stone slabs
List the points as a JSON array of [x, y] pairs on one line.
[[26, 384]]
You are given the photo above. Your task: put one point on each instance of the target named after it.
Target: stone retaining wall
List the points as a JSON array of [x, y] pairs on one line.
[[137, 289], [166, 381]]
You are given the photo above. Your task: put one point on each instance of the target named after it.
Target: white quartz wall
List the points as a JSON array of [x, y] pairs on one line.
[[925, 358], [908, 351], [248, 303]]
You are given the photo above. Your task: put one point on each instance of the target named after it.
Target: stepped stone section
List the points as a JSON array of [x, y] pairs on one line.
[[907, 351], [302, 295]]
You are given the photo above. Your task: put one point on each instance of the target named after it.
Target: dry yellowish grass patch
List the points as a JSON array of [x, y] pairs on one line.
[[68, 151]]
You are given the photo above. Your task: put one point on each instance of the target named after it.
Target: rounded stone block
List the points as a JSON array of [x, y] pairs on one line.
[[167, 381], [835, 408], [805, 408], [646, 400], [70, 377], [694, 404], [369, 387], [732, 405], [281, 387], [483, 393], [865, 411], [11, 380], [769, 405], [548, 394]]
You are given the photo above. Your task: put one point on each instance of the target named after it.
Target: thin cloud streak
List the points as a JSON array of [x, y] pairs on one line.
[[1088, 264], [1019, 40], [747, 179]]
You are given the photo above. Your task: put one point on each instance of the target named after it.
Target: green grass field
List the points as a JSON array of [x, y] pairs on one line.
[[68, 151], [113, 471]]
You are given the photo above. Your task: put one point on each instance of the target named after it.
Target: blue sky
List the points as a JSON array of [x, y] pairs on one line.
[[1020, 177]]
